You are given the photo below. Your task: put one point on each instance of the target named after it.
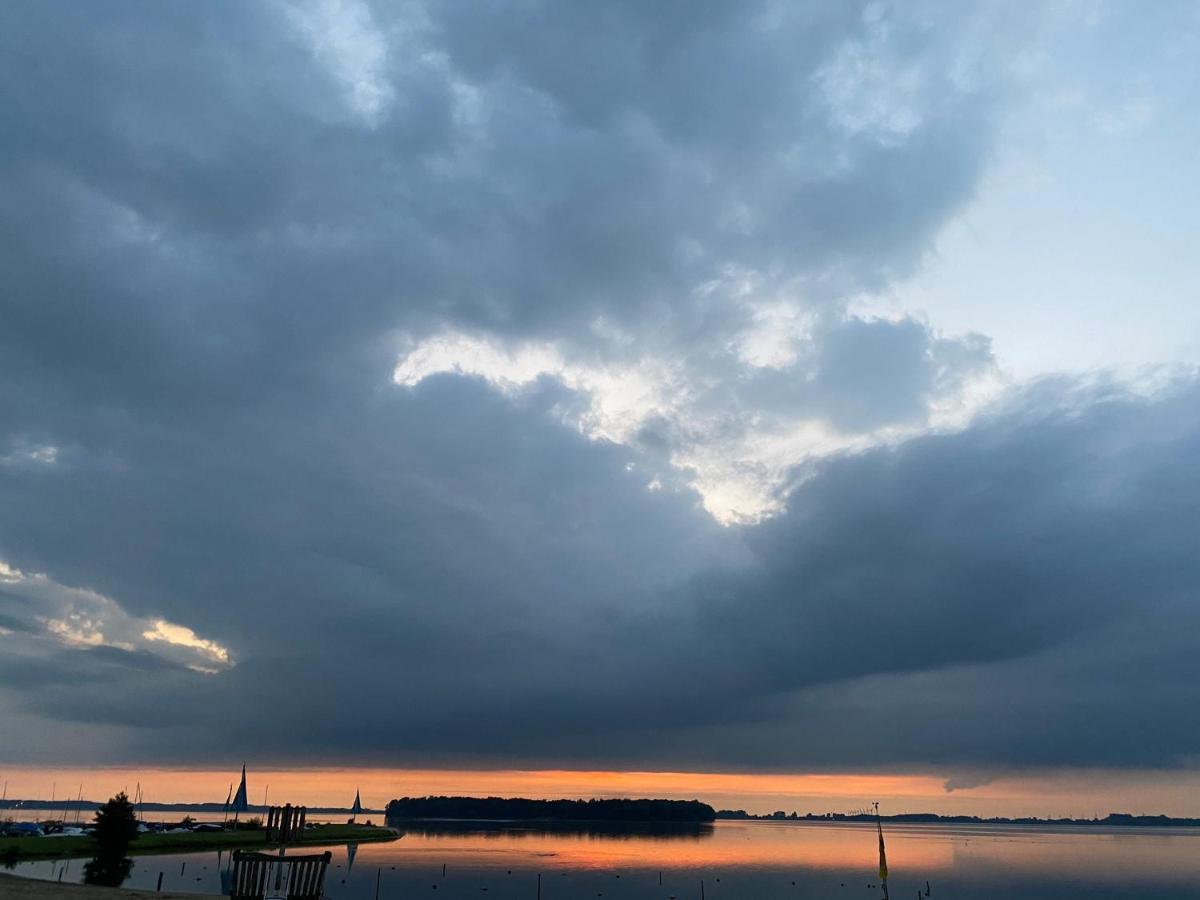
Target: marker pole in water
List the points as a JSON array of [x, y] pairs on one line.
[[159, 888], [378, 875], [701, 889], [443, 870], [539, 896]]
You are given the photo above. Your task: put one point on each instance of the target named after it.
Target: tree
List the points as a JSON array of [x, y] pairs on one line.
[[116, 826]]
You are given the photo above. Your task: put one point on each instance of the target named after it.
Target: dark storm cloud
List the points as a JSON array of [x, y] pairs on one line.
[[1027, 586], [218, 236], [994, 587], [206, 148]]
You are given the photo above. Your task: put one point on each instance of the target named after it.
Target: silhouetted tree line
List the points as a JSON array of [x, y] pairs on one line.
[[517, 808]]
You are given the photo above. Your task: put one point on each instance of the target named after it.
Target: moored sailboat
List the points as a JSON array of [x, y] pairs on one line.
[[240, 804]]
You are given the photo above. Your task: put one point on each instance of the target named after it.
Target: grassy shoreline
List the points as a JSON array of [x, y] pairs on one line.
[[34, 848]]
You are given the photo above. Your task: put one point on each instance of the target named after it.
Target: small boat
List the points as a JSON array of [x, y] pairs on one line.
[[23, 829]]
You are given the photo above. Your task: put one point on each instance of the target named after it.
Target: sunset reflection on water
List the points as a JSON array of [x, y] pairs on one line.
[[723, 845], [800, 859], [734, 859]]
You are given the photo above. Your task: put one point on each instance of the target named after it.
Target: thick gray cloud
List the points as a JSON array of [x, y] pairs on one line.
[[225, 226], [1022, 588]]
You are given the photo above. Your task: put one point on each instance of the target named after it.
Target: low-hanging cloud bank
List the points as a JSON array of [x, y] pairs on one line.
[[524, 418], [1019, 592]]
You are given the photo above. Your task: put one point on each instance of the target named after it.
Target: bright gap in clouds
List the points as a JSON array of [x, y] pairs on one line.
[[181, 636], [46, 611], [741, 456]]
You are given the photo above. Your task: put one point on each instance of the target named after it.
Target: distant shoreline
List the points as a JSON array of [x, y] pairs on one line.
[[698, 814], [1123, 820]]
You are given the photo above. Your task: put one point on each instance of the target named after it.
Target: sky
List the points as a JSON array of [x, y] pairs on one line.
[[546, 393]]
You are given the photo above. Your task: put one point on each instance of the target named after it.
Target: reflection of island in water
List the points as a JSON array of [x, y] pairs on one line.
[[510, 830]]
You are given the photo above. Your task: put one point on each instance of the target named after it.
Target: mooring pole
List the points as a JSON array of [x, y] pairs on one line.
[[378, 875], [159, 888], [539, 896], [279, 870]]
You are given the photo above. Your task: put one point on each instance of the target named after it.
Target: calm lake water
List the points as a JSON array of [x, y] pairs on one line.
[[734, 860]]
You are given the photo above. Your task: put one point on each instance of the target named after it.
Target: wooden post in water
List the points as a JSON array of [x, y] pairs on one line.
[[443, 870], [883, 867], [378, 875], [701, 889], [159, 888], [539, 896]]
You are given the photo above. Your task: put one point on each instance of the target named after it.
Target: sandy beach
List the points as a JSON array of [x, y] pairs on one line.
[[13, 887]]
